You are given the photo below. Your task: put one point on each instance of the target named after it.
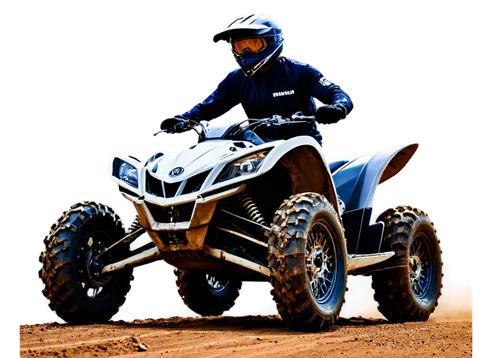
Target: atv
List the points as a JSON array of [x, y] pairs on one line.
[[238, 207]]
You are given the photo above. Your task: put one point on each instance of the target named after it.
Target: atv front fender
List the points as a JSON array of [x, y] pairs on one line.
[[307, 168]]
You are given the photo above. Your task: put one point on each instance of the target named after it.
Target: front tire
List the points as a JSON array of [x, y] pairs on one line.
[[206, 293], [307, 259], [74, 293], [410, 290]]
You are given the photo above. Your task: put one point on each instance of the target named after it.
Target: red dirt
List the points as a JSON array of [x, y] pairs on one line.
[[248, 336]]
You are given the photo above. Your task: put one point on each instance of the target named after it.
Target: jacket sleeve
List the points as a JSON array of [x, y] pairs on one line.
[[324, 90], [219, 102]]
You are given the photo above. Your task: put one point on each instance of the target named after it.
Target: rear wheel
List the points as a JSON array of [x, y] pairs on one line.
[[410, 290], [74, 291], [207, 293], [132, 226], [307, 259]]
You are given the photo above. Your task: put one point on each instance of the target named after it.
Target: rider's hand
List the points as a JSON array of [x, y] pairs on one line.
[[330, 114], [176, 124]]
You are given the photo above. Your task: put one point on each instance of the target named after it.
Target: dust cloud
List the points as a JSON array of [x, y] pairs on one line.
[[455, 302]]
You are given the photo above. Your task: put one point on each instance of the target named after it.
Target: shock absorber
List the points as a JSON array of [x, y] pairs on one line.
[[251, 210]]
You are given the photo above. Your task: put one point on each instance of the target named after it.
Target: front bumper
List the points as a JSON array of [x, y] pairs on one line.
[[192, 225]]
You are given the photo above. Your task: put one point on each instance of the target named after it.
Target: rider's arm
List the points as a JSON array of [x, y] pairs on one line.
[[324, 90], [219, 102]]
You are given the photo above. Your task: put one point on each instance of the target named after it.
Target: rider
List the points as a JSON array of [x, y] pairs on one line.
[[268, 84]]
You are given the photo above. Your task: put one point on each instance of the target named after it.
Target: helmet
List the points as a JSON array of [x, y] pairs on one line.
[[256, 41]]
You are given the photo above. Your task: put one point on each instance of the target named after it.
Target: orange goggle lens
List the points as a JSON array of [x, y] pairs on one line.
[[254, 44]]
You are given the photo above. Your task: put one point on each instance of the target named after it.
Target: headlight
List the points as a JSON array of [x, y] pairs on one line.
[[126, 172], [244, 166]]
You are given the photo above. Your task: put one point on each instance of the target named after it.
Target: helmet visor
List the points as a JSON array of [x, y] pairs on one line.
[[252, 44]]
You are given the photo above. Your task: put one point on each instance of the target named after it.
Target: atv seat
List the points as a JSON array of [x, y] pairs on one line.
[[337, 164]]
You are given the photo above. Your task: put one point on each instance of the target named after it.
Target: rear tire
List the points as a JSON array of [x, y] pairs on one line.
[[307, 259], [208, 294], [77, 296], [410, 291], [133, 225]]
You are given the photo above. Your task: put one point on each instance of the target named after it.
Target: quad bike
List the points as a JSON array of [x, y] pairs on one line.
[[234, 208]]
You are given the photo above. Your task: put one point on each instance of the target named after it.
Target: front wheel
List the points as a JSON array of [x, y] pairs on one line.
[[409, 290], [307, 259], [75, 293]]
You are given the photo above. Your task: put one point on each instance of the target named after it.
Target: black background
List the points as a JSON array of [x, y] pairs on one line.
[[101, 82]]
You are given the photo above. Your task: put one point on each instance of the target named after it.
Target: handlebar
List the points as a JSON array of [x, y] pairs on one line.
[[181, 129], [178, 124], [278, 120]]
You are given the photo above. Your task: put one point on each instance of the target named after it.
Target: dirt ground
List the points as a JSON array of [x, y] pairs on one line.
[[248, 336]]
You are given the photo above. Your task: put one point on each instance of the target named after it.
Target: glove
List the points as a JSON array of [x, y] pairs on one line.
[[176, 124], [331, 113]]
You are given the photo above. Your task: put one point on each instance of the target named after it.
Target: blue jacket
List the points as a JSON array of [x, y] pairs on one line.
[[287, 87]]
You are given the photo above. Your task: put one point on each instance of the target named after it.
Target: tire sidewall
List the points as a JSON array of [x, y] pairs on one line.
[[335, 300], [424, 227]]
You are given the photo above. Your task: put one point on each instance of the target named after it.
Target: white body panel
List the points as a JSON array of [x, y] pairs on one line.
[[212, 154], [188, 183], [214, 132]]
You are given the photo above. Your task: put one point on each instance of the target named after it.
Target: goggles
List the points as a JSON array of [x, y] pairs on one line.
[[251, 44]]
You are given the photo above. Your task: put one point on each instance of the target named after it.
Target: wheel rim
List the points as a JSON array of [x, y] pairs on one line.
[[420, 267], [94, 287], [321, 262], [215, 284]]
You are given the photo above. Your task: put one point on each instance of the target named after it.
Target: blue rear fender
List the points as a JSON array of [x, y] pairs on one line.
[[355, 183]]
